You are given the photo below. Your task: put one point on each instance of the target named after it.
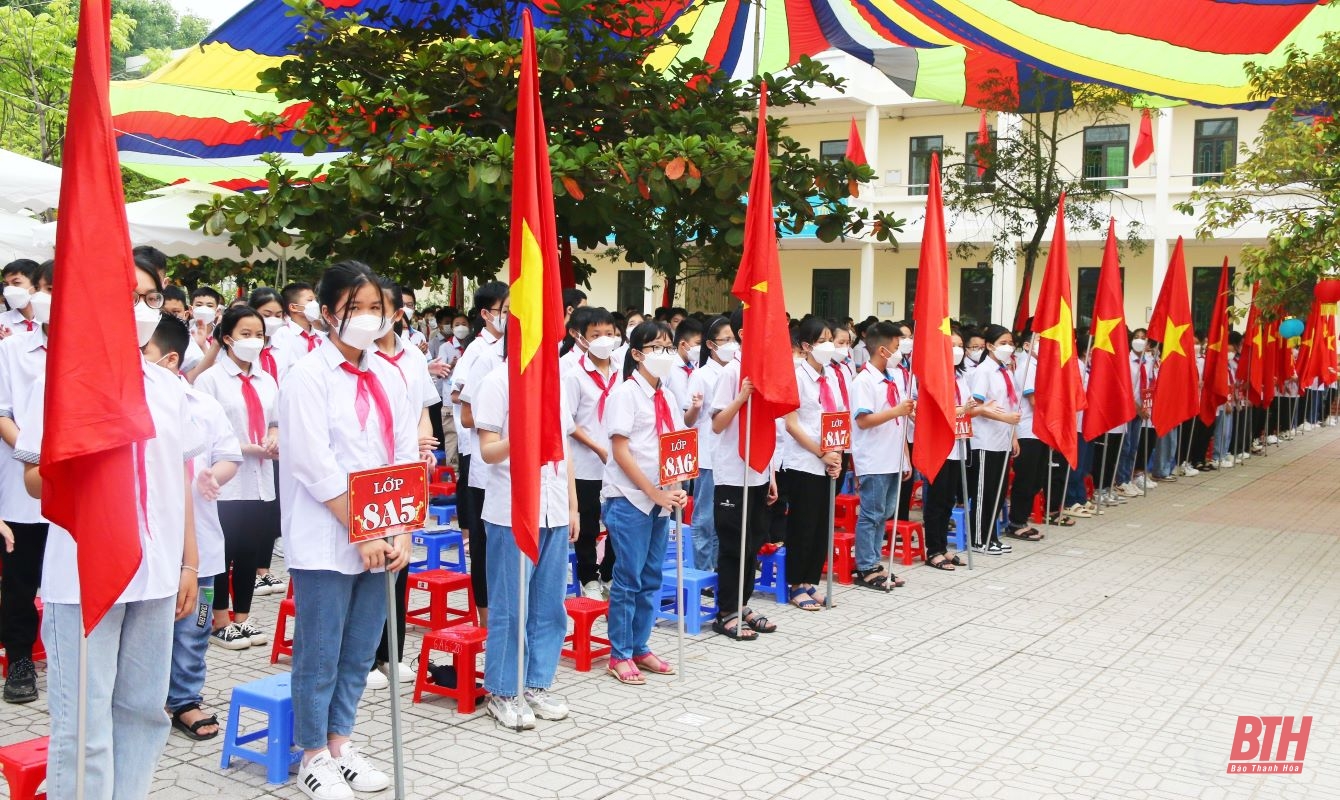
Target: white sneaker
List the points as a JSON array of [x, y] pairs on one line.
[[1145, 482], [1078, 510], [254, 634], [546, 705], [320, 779], [1272, 439], [1226, 463], [591, 590], [262, 587], [359, 773], [605, 589], [376, 680], [1128, 490], [1189, 471], [511, 712], [405, 674], [1330, 422]]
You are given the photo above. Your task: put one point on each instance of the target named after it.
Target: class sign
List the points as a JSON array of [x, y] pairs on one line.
[[679, 456], [835, 432], [387, 501]]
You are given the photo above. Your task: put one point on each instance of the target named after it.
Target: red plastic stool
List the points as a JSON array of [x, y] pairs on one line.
[[444, 475], [439, 583], [909, 543], [464, 643], [845, 508], [39, 650], [584, 611], [918, 494], [688, 512], [283, 643], [25, 767], [845, 560]]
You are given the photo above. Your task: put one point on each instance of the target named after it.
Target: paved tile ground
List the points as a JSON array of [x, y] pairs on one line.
[[1110, 661]]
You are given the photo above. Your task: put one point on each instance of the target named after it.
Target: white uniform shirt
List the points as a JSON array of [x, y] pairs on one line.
[[728, 467], [290, 343], [412, 367], [1025, 381], [14, 320], [492, 416], [488, 356], [23, 365], [704, 382], [678, 384], [582, 384], [219, 444], [448, 351], [322, 442], [465, 437], [255, 479], [963, 393], [877, 450], [988, 384], [413, 337], [631, 412], [809, 415], [1151, 372], [162, 526]]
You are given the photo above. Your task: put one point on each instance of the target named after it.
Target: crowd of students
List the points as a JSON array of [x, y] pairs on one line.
[[263, 405]]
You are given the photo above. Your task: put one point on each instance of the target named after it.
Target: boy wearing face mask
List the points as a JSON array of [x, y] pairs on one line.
[[902, 369], [574, 344], [20, 279], [688, 346], [588, 382], [299, 335], [1144, 379]]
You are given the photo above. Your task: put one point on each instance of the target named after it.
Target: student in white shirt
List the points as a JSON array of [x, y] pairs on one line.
[[546, 582], [993, 437], [215, 464], [299, 336], [130, 650], [270, 305], [412, 335], [456, 338], [1031, 472], [718, 350], [1144, 382], [248, 509], [587, 385], [20, 281], [339, 413], [688, 346], [481, 357], [943, 490], [637, 510], [574, 343], [879, 450]]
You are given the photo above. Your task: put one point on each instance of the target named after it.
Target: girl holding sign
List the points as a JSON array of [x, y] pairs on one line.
[[807, 466], [943, 492], [341, 410], [718, 349], [637, 510]]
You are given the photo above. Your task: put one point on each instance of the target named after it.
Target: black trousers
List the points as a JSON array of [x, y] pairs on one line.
[[435, 419], [1030, 477], [469, 502], [383, 649], [588, 510], [806, 525], [248, 541], [728, 515], [937, 506], [18, 588], [1105, 459], [986, 473], [1201, 435]]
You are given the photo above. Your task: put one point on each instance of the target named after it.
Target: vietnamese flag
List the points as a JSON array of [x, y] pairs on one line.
[[983, 144], [1110, 390], [765, 354], [1144, 141], [1059, 396], [1176, 398], [856, 150], [536, 322], [95, 409], [1251, 369], [1214, 375], [932, 350], [1021, 312], [1316, 357]]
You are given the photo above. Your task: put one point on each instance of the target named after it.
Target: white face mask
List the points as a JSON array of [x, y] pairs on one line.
[[905, 346], [361, 331], [958, 356], [497, 322], [727, 351], [460, 331], [432, 324], [1139, 345], [203, 314], [660, 364], [695, 353], [312, 311], [272, 325], [387, 326], [17, 297], [1003, 352], [823, 352], [602, 346], [246, 350], [41, 305], [843, 353], [975, 355], [409, 314], [146, 322]]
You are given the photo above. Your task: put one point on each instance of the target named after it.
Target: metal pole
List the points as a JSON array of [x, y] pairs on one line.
[[1065, 487], [897, 503], [679, 575], [1098, 490], [963, 476], [393, 670], [1144, 461], [1047, 493], [81, 716], [521, 630], [744, 511], [832, 515]]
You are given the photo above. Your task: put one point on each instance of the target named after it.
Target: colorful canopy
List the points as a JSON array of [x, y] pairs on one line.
[[189, 120]]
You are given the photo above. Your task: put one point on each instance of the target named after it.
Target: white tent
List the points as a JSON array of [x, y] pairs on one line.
[[17, 238], [27, 183]]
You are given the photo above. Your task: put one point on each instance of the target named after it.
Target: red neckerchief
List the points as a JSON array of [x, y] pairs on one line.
[[255, 411], [268, 362], [395, 362], [604, 384], [665, 423], [312, 339], [370, 391], [1009, 386]]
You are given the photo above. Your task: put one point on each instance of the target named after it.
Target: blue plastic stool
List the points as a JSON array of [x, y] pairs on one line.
[[443, 512], [272, 697], [848, 484], [687, 532], [695, 581], [960, 518], [441, 456], [437, 542], [574, 588], [772, 574]]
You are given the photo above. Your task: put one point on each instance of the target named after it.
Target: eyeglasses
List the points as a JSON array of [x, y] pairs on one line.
[[153, 299], [722, 341], [657, 349]]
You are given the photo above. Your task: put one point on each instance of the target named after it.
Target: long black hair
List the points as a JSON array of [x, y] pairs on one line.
[[646, 332], [710, 334], [343, 280], [231, 318]]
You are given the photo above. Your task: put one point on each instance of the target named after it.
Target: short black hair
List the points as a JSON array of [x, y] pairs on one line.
[[173, 292], [405, 290], [171, 336], [687, 327], [572, 298], [22, 266], [206, 291], [151, 256], [291, 292], [879, 334], [46, 271], [595, 315]]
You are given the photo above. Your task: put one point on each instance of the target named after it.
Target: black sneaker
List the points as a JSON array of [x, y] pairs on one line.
[[21, 685]]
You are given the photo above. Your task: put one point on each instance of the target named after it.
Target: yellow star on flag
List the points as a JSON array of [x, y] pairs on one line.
[[944, 326], [528, 295], [1172, 338], [1102, 334], [1062, 333]]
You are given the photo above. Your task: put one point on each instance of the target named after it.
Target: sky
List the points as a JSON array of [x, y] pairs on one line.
[[216, 11]]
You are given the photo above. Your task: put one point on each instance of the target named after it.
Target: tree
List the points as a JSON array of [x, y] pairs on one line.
[[158, 30], [1018, 196], [1288, 180], [652, 163]]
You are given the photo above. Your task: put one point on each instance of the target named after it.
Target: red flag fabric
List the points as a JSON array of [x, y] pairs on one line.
[[566, 275], [666, 298], [983, 144], [95, 406], [1144, 141], [1021, 312], [765, 355], [1176, 398], [1214, 375], [1059, 395], [855, 150], [1110, 390], [932, 350], [1251, 369], [1316, 357], [536, 320]]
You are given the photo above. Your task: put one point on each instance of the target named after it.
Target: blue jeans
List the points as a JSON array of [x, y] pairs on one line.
[[879, 502], [1223, 436], [190, 640], [129, 658], [1074, 489], [705, 544], [1126, 462], [640, 540], [1166, 453], [339, 623], [546, 619]]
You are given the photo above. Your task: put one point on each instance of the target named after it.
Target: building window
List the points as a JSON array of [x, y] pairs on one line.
[[1216, 149], [832, 150], [974, 295], [919, 163], [910, 292], [1204, 287], [1086, 294], [830, 293], [1106, 154], [632, 290], [986, 182]]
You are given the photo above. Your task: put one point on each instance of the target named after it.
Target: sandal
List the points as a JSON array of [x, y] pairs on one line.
[[800, 598], [943, 563], [193, 729], [1061, 520], [757, 622], [654, 664], [738, 632], [625, 670], [872, 579], [955, 560], [1027, 534], [813, 591]]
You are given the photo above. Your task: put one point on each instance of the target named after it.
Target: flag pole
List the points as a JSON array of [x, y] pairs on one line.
[[832, 515], [1065, 488], [81, 716], [963, 477], [679, 590], [897, 504], [393, 670], [744, 512], [1047, 493], [521, 630]]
